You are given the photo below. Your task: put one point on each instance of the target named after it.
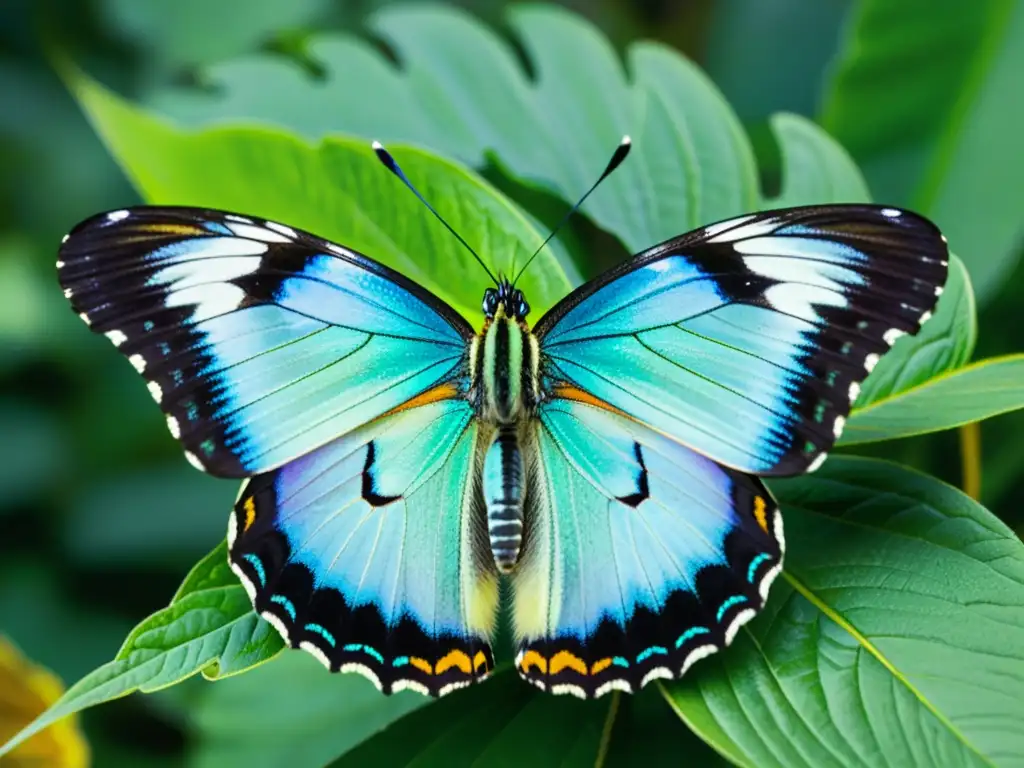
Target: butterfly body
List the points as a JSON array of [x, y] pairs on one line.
[[605, 461]]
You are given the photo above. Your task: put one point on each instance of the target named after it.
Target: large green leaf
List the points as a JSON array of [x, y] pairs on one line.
[[461, 91], [895, 637], [939, 133], [508, 722], [979, 391], [212, 628], [290, 712], [338, 190]]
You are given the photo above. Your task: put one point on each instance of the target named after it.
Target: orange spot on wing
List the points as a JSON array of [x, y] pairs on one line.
[[564, 659], [250, 513], [533, 659], [600, 666], [569, 392], [760, 513], [446, 391], [173, 229], [421, 664], [453, 659], [480, 660]]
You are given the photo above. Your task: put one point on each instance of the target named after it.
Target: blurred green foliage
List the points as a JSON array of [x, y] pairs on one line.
[[101, 517]]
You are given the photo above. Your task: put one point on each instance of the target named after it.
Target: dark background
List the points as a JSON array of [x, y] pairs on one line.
[[100, 516]]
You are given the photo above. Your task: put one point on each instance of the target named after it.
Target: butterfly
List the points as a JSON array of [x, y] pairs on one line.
[[605, 461]]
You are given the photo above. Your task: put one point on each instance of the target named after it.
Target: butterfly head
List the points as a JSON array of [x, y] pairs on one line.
[[506, 298]]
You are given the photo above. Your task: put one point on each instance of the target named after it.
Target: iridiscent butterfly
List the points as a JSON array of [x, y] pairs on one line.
[[605, 461]]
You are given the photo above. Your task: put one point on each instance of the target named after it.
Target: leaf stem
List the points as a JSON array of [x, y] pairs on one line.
[[606, 731], [970, 457]]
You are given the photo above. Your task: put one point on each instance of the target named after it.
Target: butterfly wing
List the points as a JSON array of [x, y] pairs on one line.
[[258, 341], [747, 340], [371, 551], [641, 556]]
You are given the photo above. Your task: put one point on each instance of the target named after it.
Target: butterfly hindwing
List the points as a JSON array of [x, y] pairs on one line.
[[640, 557], [747, 340], [370, 552], [258, 341]]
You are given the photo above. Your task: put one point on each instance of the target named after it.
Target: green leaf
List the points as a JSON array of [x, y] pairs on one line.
[[895, 636], [214, 630], [486, 724], [979, 391], [815, 167], [461, 91], [211, 572], [939, 133], [290, 712], [338, 190], [183, 32], [944, 343]]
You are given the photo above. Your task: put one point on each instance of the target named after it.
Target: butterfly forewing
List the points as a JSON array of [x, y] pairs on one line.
[[747, 340], [259, 342]]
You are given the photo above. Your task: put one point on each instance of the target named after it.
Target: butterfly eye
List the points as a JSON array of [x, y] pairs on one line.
[[522, 308], [490, 304]]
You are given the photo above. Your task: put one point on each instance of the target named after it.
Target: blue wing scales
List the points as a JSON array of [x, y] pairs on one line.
[[258, 341], [641, 556], [747, 340], [370, 552]]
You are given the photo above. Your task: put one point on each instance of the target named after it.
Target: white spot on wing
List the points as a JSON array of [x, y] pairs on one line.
[[252, 232], [938, 290], [892, 335], [67, 293], [766, 582], [85, 318], [891, 213], [613, 685], [446, 689], [232, 534], [572, 690], [117, 216], [658, 673], [172, 425], [62, 241], [817, 463], [236, 217], [286, 231], [714, 229], [741, 618], [338, 249], [837, 428], [315, 652], [925, 318], [138, 362], [194, 461], [363, 670], [277, 624], [854, 391], [870, 361], [412, 685], [60, 264], [116, 338], [802, 300], [250, 588], [698, 653], [155, 390]]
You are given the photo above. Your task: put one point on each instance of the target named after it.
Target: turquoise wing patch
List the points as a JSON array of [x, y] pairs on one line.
[[371, 552], [641, 556], [747, 340], [258, 341]]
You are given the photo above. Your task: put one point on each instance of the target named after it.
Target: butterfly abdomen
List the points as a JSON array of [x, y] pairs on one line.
[[503, 493]]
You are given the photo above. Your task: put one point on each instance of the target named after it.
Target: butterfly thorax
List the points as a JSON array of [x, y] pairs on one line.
[[505, 362]]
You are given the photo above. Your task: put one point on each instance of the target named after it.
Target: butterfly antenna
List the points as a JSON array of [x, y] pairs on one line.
[[617, 157], [389, 162]]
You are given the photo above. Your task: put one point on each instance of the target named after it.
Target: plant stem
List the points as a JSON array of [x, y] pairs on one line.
[[970, 457], [606, 731]]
